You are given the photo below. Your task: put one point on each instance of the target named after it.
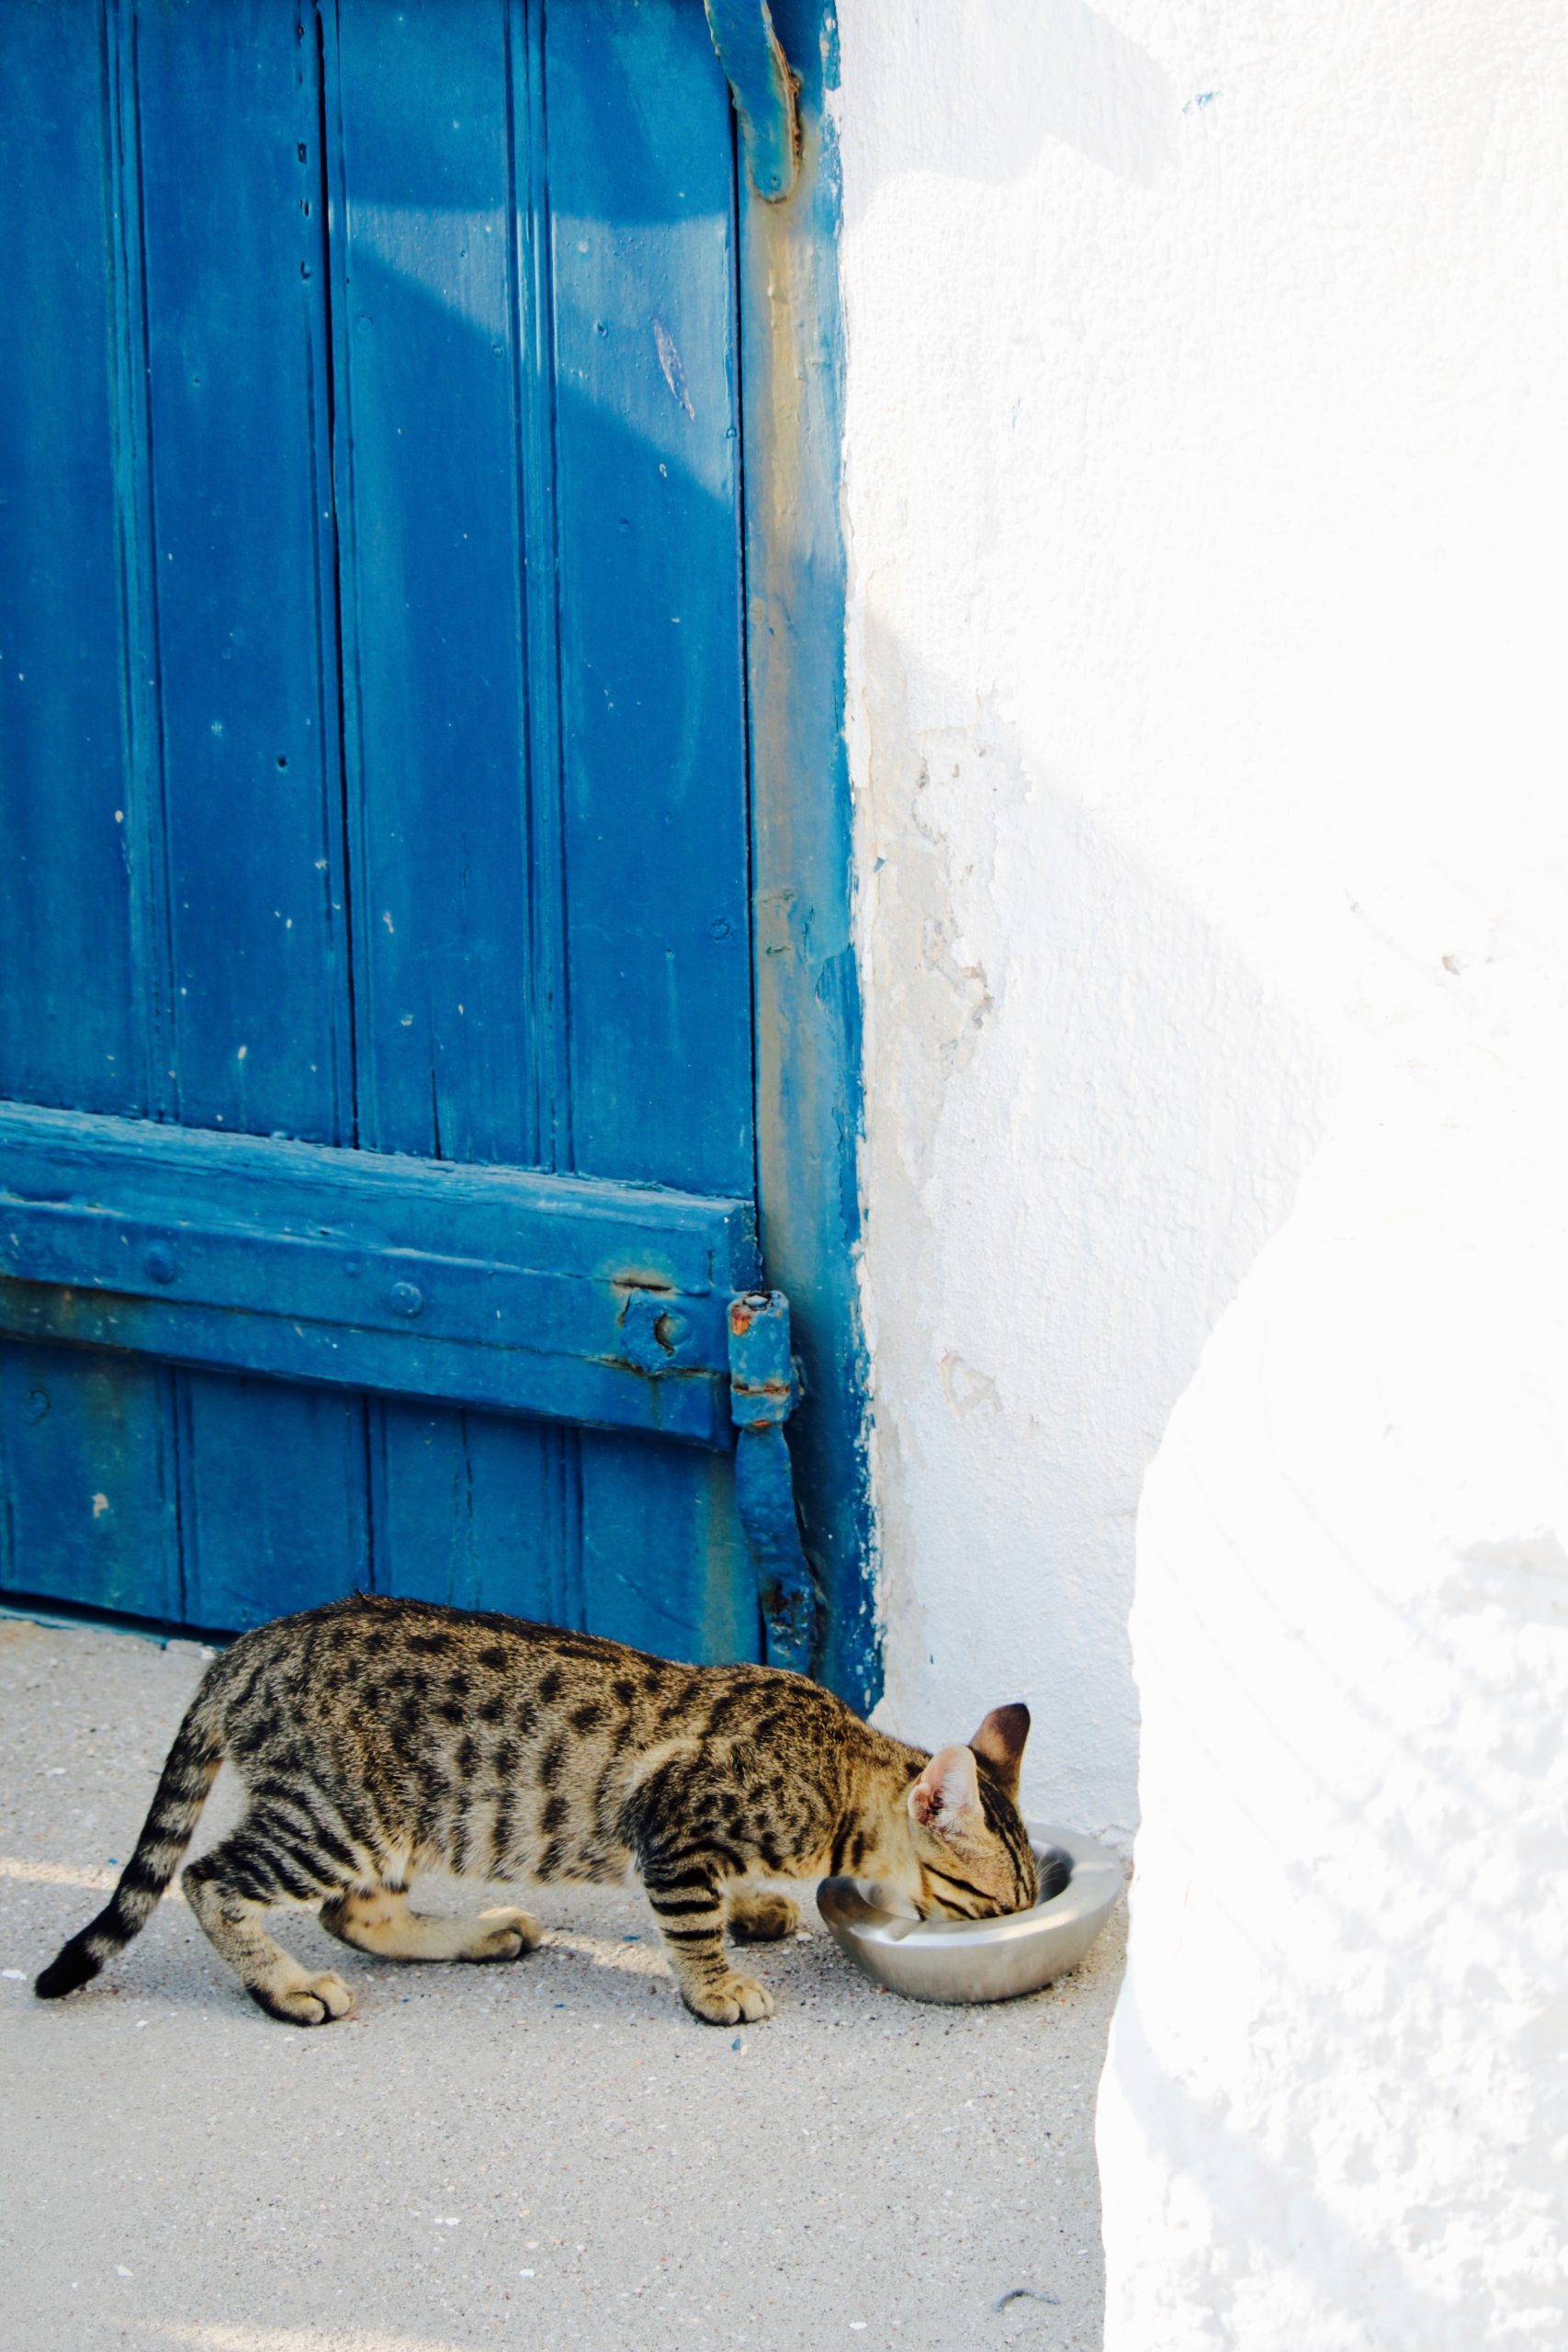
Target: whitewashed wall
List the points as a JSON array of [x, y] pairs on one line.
[[1207, 499]]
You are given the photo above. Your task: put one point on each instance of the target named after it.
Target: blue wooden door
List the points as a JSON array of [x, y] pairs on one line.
[[376, 1006]]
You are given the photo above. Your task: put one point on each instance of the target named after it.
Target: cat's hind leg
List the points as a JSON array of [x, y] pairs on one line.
[[380, 1921], [257, 1869], [762, 1918]]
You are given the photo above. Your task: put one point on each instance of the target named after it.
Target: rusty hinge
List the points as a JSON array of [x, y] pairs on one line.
[[763, 1387], [763, 89]]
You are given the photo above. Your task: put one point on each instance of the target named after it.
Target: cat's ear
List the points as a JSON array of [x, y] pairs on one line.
[[999, 1744], [945, 1800]]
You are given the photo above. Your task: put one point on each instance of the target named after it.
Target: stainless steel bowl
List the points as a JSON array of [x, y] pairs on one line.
[[984, 1960]]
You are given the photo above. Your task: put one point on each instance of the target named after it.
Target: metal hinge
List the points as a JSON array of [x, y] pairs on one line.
[[763, 89], [763, 1387]]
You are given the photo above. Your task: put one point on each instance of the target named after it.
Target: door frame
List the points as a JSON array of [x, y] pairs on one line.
[[806, 988]]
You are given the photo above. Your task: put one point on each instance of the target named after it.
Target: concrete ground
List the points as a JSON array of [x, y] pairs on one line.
[[550, 2152]]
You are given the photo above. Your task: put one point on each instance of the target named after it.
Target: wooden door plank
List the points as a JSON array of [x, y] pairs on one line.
[[88, 1512], [67, 1030], [237, 357], [640, 178], [230, 147], [417, 207], [647, 480], [87, 1481], [430, 490], [663, 1566], [272, 1190], [270, 1530], [455, 1013], [551, 1295], [448, 1489]]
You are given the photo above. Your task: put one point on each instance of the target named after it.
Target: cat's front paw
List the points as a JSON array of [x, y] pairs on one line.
[[732, 2000], [762, 1918]]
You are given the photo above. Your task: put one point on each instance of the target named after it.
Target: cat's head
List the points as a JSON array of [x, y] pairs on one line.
[[969, 1844]]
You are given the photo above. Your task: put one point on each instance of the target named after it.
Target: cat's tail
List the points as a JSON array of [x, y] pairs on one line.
[[183, 1787]]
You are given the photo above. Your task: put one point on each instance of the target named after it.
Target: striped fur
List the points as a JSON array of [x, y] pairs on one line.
[[187, 1775], [378, 1738]]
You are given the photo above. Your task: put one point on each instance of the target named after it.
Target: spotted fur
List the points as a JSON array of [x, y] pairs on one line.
[[378, 1738]]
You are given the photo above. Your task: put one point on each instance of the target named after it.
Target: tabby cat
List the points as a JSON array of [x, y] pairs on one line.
[[378, 1737]]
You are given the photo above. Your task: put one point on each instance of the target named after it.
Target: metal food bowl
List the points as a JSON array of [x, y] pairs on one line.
[[984, 1960]]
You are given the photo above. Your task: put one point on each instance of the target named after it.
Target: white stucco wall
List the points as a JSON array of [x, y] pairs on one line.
[[1206, 493]]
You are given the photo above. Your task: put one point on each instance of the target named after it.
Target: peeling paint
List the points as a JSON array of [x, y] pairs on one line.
[[671, 368], [965, 1389]]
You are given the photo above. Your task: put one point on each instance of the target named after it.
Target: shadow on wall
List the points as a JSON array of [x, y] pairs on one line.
[[1089, 88], [1229, 2170], [1085, 1116]]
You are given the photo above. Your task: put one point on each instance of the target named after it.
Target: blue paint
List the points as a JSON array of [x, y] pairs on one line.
[[394, 771], [807, 1025], [763, 89], [765, 1389], [359, 1270]]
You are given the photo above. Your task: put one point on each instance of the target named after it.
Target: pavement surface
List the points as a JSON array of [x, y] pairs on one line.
[[549, 2152]]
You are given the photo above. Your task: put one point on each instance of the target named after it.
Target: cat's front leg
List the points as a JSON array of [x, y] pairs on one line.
[[690, 1908], [672, 1822], [762, 1918]]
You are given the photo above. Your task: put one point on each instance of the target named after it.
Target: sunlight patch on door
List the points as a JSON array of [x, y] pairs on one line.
[[456, 258]]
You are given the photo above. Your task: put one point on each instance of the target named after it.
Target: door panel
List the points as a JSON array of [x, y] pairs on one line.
[[454, 1006], [72, 1034], [272, 1497], [646, 474], [240, 568], [479, 1511], [660, 1564], [381, 780], [430, 495], [86, 1449], [655, 863], [86, 1475], [243, 844]]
